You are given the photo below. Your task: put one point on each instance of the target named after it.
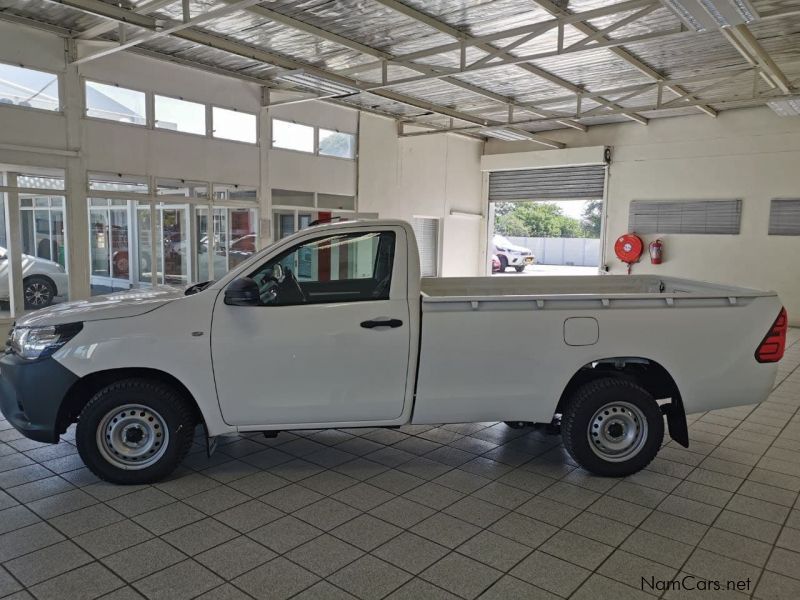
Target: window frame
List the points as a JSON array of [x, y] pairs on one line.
[[292, 248], [148, 104], [206, 116], [272, 145], [316, 129], [354, 145], [59, 82], [210, 124]]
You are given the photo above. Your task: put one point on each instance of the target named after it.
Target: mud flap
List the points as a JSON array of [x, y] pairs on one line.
[[211, 442], [676, 421]]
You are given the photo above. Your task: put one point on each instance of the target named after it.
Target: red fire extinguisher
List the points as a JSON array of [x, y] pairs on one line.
[[656, 252]]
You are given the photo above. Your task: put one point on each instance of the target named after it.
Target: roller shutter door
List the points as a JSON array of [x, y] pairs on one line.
[[561, 183]]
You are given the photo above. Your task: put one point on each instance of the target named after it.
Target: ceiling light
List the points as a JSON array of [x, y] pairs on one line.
[[506, 134], [786, 107], [702, 15], [318, 83]]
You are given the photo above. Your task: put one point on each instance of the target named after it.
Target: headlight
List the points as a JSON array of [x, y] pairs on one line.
[[38, 342]]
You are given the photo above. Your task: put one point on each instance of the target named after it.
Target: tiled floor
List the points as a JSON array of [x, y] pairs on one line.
[[469, 511]]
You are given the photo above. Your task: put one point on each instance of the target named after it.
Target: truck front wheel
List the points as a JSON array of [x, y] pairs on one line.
[[612, 427], [134, 431]]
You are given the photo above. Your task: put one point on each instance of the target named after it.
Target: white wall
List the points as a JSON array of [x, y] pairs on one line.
[[427, 176], [749, 154]]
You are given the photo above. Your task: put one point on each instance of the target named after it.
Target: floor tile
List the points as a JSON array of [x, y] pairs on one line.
[[523, 530], [476, 511], [47, 562], [445, 530], [410, 552], [86, 519], [462, 575], [327, 513], [366, 532], [494, 550], [417, 589], [85, 583], [577, 549], [248, 516], [550, 573], [235, 557], [324, 555], [182, 581], [143, 560], [369, 578], [598, 586], [284, 534], [168, 518], [634, 570]]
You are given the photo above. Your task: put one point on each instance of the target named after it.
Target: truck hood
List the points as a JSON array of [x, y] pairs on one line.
[[110, 306]]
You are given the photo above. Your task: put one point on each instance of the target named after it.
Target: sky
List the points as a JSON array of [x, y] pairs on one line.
[[571, 208]]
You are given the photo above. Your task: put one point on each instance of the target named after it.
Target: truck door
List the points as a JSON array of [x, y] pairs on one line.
[[329, 342]]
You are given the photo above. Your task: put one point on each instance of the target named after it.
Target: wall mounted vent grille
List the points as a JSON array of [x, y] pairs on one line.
[[685, 216], [784, 216]]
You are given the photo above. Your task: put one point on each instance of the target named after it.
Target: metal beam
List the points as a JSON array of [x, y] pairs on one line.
[[487, 47], [637, 64], [722, 103], [746, 38], [158, 33], [102, 28], [386, 58]]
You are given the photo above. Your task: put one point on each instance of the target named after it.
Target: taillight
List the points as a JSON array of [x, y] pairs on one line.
[[774, 343]]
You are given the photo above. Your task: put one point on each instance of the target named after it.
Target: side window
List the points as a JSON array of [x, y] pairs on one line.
[[350, 267]]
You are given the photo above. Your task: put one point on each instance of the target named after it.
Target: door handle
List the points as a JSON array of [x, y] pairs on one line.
[[393, 323]]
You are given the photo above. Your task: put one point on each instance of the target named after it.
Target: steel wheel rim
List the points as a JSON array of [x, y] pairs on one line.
[[37, 294], [132, 437], [617, 431]]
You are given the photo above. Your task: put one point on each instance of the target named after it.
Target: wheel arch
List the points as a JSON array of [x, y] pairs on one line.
[[82, 391], [645, 372]]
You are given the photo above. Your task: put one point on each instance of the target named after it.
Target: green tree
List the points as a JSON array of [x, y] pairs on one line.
[[592, 218], [536, 219]]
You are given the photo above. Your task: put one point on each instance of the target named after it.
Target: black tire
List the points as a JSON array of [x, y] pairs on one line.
[[583, 411], [519, 269], [503, 263], [517, 424], [38, 292], [164, 401]]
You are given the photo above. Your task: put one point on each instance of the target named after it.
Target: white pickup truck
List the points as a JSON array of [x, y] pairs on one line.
[[331, 327]]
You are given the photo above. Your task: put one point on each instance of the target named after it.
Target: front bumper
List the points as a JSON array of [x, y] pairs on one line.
[[520, 259], [31, 394]]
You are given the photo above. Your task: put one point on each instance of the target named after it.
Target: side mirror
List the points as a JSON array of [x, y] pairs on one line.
[[243, 292]]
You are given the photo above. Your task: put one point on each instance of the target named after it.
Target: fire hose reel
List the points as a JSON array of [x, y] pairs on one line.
[[629, 248]]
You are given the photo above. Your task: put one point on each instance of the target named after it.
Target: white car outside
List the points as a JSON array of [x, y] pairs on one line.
[[42, 280], [511, 254]]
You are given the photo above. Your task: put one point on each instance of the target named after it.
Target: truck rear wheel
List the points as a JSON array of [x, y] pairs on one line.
[[612, 427], [134, 431]]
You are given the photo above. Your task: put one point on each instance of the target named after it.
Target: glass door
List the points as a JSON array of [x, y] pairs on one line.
[[109, 243], [174, 267]]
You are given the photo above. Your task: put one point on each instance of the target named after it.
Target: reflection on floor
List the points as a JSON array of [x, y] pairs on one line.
[[457, 511]]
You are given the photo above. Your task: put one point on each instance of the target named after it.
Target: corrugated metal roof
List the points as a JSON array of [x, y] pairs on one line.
[[349, 37]]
